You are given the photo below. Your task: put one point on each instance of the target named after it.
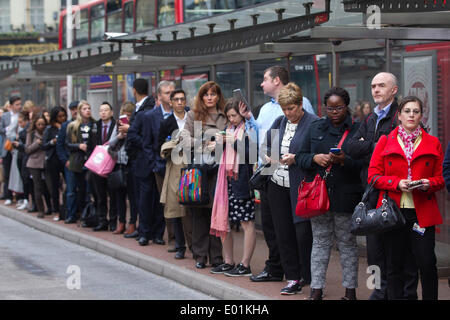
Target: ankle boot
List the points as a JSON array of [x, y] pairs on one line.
[[316, 294], [120, 229], [131, 228], [350, 294]]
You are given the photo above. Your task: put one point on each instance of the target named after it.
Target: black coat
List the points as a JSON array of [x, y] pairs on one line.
[[343, 184], [296, 174], [50, 133], [363, 149]]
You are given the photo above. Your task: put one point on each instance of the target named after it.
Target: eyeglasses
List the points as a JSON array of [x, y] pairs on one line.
[[414, 111], [336, 109], [179, 99]]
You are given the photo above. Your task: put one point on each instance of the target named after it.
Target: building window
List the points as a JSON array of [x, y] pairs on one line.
[[37, 15], [5, 16], [230, 77]]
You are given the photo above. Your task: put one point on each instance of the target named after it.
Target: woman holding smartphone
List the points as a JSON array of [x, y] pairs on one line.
[[344, 191], [409, 163]]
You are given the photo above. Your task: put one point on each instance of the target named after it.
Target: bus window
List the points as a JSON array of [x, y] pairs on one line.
[[145, 14], [197, 9], [114, 22], [128, 17], [166, 13], [82, 34], [114, 5], [97, 22]]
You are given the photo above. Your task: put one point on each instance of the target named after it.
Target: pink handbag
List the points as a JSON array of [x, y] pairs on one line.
[[100, 162]]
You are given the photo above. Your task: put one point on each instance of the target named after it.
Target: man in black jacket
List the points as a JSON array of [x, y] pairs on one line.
[[380, 122], [106, 125], [133, 144]]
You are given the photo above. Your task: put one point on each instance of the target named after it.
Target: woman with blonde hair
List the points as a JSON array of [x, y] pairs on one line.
[[80, 143]]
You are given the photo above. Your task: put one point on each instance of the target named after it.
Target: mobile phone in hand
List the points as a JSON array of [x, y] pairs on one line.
[[335, 150], [239, 96], [415, 184]]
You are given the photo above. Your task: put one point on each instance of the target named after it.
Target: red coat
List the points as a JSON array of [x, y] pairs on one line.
[[389, 161]]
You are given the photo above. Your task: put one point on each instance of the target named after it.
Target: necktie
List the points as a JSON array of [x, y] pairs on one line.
[[105, 127]]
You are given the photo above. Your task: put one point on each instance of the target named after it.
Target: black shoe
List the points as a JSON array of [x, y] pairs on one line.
[[85, 225], [292, 287], [70, 220], [200, 265], [316, 294], [33, 209], [143, 241], [113, 226], [101, 227], [159, 241], [224, 267], [302, 283], [265, 276], [172, 250], [180, 254], [239, 271], [134, 234], [48, 212]]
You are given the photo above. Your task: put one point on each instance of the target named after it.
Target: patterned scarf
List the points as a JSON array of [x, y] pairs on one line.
[[408, 141], [228, 169]]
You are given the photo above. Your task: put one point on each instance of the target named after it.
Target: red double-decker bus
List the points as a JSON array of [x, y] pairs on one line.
[[93, 19]]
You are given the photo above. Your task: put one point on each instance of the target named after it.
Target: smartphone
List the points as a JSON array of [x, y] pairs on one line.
[[222, 133], [123, 119], [335, 150], [415, 184], [237, 94]]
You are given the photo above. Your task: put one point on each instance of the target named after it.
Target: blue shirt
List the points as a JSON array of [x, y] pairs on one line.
[[307, 106], [267, 115], [165, 114], [381, 113]]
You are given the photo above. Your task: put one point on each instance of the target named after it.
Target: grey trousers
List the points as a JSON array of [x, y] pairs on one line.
[[324, 228]]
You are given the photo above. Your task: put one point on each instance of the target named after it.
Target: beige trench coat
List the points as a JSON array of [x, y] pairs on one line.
[[169, 191]]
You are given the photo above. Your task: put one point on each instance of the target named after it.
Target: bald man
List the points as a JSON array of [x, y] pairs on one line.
[[380, 122]]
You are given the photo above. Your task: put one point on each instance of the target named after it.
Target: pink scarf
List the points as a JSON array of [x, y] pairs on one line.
[[228, 168], [408, 141]]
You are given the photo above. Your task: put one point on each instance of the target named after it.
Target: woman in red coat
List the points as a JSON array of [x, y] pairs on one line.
[[409, 161]]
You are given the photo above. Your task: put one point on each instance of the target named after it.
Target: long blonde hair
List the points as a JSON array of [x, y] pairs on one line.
[[74, 126]]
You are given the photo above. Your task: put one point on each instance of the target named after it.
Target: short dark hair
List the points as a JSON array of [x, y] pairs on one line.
[[107, 103], [280, 72], [337, 91], [176, 91], [14, 99], [408, 99], [74, 104], [25, 115], [141, 86]]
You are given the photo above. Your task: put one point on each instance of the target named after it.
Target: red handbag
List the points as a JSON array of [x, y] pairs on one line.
[[313, 198]]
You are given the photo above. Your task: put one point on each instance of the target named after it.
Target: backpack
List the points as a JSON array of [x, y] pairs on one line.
[[89, 217]]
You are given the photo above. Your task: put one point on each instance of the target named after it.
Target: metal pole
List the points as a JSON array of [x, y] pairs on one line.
[[69, 34], [248, 82], [335, 66], [115, 97], [388, 53], [213, 75]]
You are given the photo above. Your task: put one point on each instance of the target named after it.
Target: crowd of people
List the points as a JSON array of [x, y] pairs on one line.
[[44, 156]]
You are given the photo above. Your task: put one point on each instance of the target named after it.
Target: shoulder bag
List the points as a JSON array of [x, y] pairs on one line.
[[367, 221], [258, 180], [193, 186], [313, 198]]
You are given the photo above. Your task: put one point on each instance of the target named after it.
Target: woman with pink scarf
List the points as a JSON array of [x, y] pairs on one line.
[[234, 199], [409, 161]]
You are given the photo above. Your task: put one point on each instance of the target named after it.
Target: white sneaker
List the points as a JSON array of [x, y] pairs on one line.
[[19, 203], [8, 202], [24, 205]]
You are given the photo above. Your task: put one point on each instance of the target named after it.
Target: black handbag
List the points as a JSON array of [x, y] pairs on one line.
[[367, 221], [89, 217], [117, 179], [258, 180]]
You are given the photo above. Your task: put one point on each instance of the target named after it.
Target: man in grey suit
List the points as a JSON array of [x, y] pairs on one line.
[[8, 126]]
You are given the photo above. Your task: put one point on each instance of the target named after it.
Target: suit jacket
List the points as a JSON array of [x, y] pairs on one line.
[[389, 161], [98, 137], [296, 174], [133, 143]]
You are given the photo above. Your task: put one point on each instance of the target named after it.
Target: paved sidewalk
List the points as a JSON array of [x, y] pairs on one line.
[[156, 259]]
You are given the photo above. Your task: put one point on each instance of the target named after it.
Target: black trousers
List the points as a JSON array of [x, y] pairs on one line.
[[6, 170], [303, 232], [151, 214], [180, 241], [404, 246], [204, 245], [81, 187], [104, 193], [273, 263], [283, 222], [119, 197], [53, 171]]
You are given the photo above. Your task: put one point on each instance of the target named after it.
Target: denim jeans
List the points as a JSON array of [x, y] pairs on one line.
[[71, 194]]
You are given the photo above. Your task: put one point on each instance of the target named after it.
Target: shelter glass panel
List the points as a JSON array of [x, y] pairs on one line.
[[303, 73], [128, 17], [115, 22], [82, 34], [145, 15], [230, 77], [5, 16]]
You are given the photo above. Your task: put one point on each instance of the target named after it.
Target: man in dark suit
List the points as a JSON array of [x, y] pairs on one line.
[[151, 169], [8, 127], [63, 155], [106, 126], [133, 144]]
